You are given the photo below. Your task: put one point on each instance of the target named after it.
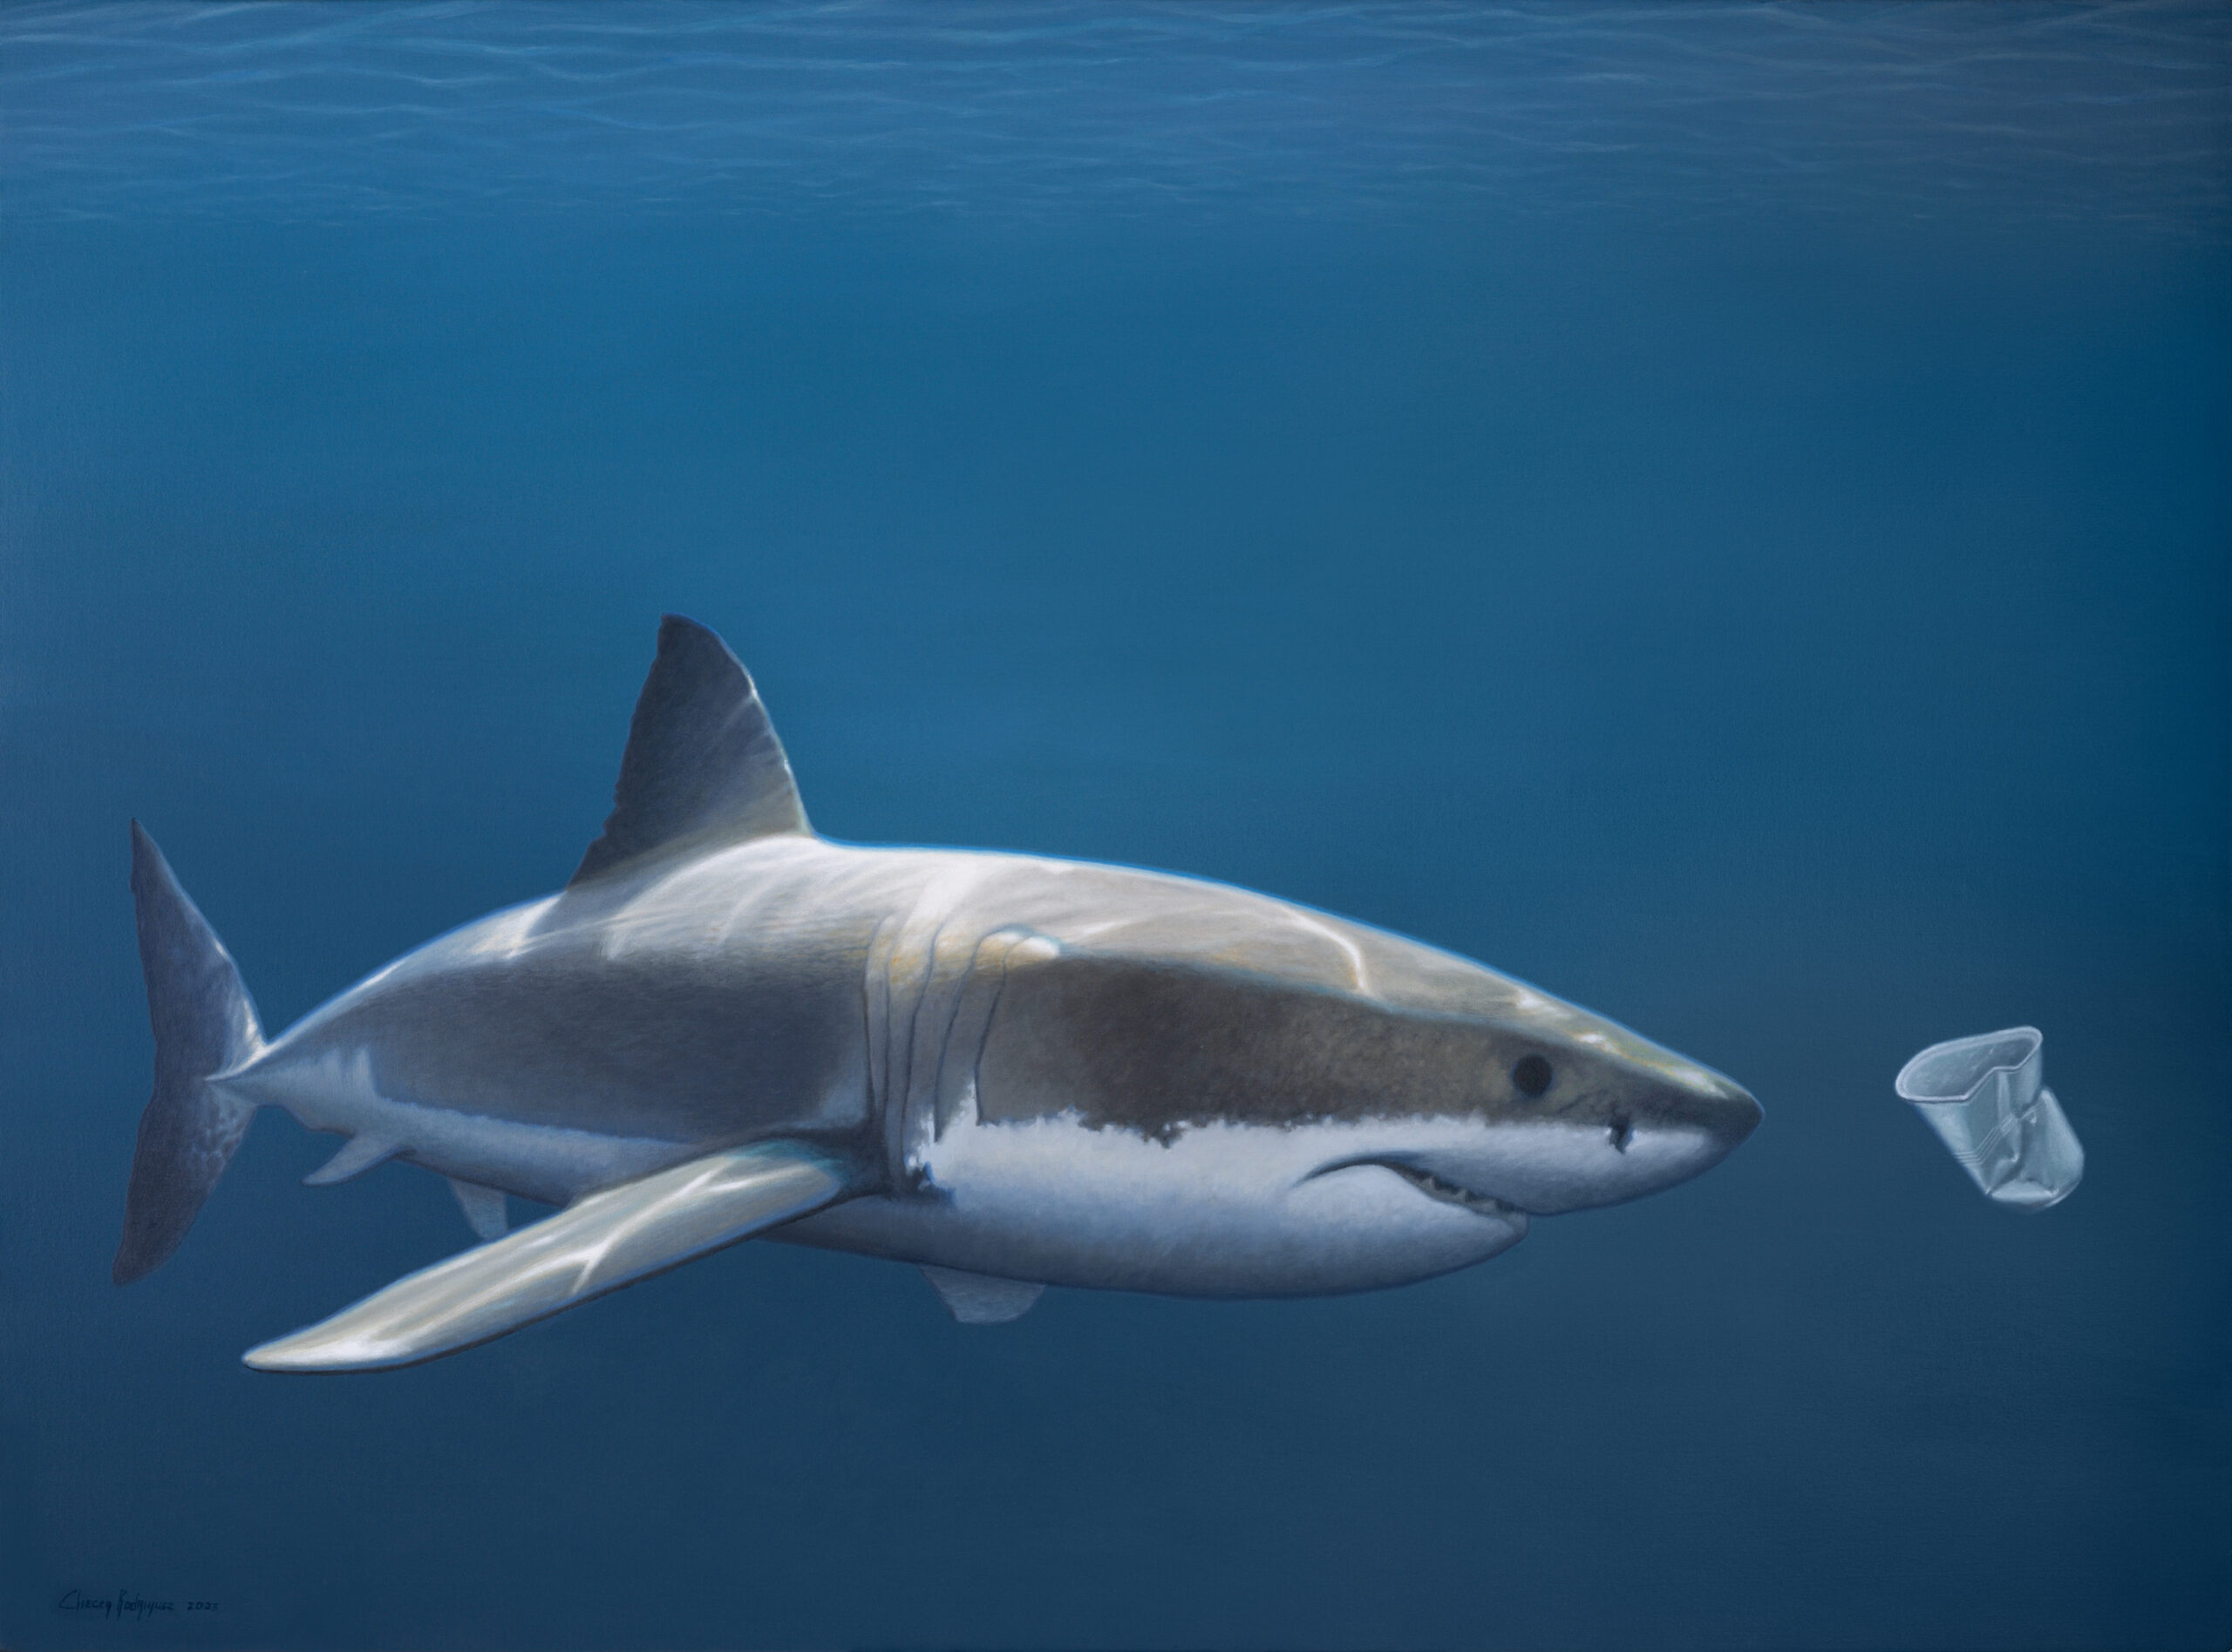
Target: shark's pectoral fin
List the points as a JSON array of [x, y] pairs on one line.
[[597, 1244], [979, 1299], [483, 1206], [358, 1155]]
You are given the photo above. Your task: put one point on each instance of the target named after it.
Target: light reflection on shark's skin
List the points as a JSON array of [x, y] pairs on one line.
[[1016, 1071]]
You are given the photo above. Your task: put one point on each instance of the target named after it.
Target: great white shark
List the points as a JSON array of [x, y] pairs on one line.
[[1010, 1071]]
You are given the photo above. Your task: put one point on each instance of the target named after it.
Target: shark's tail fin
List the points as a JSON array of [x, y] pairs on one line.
[[204, 1025]]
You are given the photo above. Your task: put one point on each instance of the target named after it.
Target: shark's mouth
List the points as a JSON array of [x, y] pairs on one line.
[[1450, 1193]]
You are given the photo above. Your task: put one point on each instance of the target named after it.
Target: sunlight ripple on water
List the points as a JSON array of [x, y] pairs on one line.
[[1062, 110]]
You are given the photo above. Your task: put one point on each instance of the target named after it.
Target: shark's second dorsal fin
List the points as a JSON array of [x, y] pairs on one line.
[[702, 763]]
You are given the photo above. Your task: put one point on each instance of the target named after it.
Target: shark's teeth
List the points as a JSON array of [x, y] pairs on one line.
[[1450, 1193]]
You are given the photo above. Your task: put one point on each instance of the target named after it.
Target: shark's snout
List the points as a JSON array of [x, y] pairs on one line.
[[1734, 1116], [1699, 1098], [1632, 1145]]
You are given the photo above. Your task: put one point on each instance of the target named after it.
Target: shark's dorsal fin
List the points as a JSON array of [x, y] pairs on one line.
[[703, 765]]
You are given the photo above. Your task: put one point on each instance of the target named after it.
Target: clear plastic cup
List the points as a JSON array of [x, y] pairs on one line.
[[1986, 1099]]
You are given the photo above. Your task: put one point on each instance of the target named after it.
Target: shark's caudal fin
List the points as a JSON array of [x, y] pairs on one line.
[[204, 1024], [702, 767]]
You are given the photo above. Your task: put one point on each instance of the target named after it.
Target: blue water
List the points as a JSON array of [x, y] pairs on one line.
[[1720, 511]]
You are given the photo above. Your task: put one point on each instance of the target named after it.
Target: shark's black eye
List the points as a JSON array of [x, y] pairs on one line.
[[1531, 1076]]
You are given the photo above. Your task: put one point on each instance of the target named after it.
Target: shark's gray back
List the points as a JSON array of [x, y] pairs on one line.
[[552, 1016], [790, 983]]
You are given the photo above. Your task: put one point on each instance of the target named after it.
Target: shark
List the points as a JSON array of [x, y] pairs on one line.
[[1010, 1071]]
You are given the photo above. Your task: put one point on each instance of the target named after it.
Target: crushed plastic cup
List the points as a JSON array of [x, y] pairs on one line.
[[1986, 1098]]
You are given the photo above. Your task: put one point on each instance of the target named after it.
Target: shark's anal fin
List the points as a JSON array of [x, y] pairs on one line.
[[978, 1298], [599, 1243], [483, 1206], [703, 765], [358, 1155]]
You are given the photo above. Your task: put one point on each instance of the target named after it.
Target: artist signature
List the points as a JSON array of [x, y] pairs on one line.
[[125, 1604]]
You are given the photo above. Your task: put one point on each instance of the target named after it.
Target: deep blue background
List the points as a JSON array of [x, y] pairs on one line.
[[1799, 634]]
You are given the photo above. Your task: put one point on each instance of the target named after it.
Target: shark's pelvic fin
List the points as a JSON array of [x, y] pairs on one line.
[[978, 1298], [703, 765], [204, 1025], [358, 1155], [598, 1243], [483, 1206]]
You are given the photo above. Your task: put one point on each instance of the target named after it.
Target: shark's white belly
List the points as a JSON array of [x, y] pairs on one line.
[[1221, 1210]]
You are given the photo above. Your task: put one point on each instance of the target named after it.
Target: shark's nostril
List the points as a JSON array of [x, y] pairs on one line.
[[1623, 1132]]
